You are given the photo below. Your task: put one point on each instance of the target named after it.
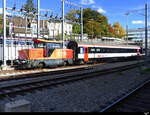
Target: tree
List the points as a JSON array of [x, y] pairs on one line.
[[99, 23], [95, 23], [119, 30], [1, 26], [111, 31], [30, 11], [92, 28], [76, 29], [29, 8], [73, 15]]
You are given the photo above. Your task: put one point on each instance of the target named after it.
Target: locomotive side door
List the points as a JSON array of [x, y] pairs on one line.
[[86, 54]]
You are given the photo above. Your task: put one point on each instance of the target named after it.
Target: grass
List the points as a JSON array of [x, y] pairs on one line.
[[147, 70]]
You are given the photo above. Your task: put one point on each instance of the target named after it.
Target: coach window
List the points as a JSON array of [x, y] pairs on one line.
[[108, 50], [121, 50], [102, 50], [112, 50], [98, 50], [92, 50], [81, 50], [131, 50], [124, 51]]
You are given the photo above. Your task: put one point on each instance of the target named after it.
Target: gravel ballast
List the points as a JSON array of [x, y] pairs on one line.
[[81, 96]]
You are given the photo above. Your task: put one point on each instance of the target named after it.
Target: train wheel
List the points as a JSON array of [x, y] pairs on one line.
[[82, 62], [65, 63], [41, 65]]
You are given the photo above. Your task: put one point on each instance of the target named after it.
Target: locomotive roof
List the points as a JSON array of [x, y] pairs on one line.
[[48, 41]]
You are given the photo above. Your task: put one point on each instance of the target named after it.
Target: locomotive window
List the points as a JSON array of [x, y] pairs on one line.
[[28, 43], [15, 42], [21, 43], [1, 41], [40, 45], [8, 42], [53, 45]]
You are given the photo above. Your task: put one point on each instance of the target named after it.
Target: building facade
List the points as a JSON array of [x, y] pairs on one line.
[[28, 28], [138, 35]]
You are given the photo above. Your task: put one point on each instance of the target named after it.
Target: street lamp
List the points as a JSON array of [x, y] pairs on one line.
[[127, 26]]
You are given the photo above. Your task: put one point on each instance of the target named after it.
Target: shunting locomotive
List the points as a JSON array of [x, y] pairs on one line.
[[46, 54]]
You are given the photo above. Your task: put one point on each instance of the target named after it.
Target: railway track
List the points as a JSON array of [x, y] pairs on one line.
[[136, 100], [36, 81], [19, 74]]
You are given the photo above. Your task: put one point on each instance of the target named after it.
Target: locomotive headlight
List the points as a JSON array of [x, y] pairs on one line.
[[23, 61]]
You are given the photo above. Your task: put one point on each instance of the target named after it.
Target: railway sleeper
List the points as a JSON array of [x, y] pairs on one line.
[[139, 104], [134, 108]]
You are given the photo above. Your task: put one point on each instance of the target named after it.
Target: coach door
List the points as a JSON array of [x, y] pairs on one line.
[[86, 55]]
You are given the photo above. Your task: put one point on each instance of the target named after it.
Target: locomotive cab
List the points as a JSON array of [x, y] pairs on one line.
[[48, 47]]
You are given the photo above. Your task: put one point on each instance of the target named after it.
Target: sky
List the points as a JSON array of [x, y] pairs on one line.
[[115, 10]]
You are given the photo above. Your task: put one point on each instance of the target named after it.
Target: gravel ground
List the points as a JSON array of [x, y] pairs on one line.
[[82, 96]]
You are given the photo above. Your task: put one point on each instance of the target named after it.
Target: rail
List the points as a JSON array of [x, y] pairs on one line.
[[112, 106], [41, 81]]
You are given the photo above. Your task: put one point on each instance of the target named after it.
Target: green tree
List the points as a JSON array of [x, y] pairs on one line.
[[95, 23], [73, 15], [92, 28], [1, 26], [29, 7], [76, 29], [30, 11]]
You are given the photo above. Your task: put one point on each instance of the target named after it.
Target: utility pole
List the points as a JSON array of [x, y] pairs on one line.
[[4, 36], [81, 23], [38, 18], [146, 33], [63, 20]]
